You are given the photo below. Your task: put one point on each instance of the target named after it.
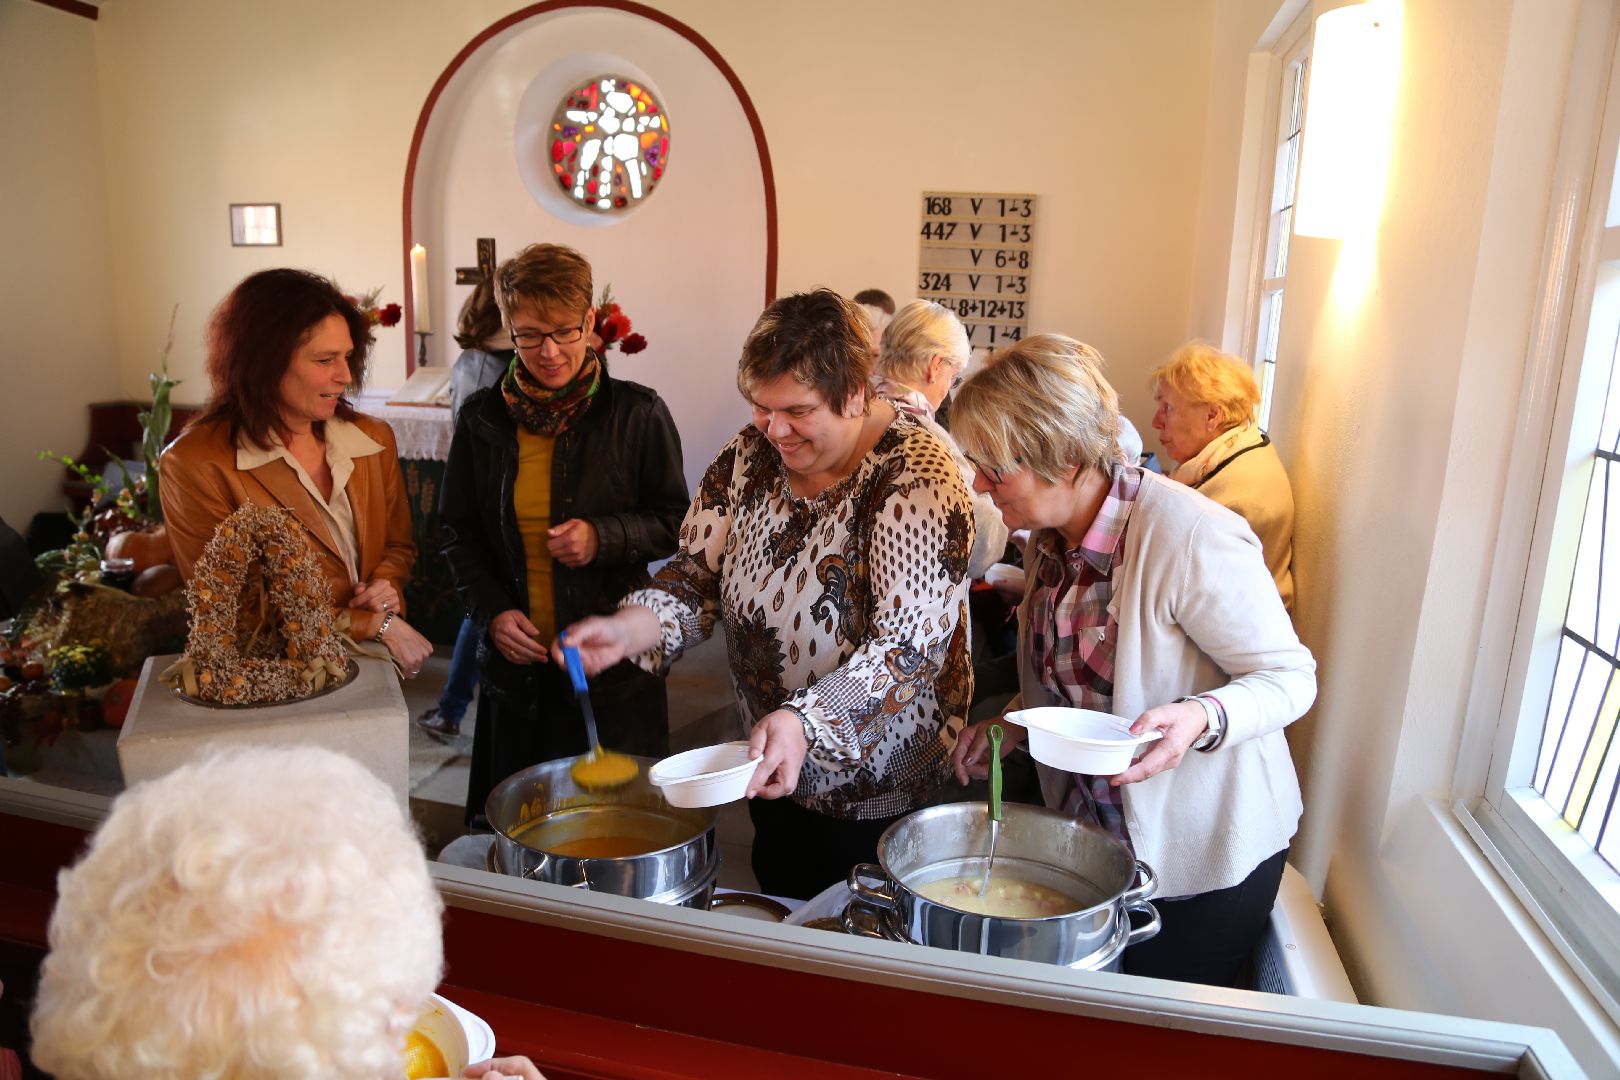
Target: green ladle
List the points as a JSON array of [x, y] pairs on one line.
[[995, 803]]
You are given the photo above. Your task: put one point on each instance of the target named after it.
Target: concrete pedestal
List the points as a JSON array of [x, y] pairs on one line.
[[367, 720]]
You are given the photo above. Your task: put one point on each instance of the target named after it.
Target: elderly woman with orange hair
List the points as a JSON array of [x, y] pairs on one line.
[[1205, 421], [284, 349]]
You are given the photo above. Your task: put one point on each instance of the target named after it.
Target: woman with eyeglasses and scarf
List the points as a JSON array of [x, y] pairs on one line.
[[563, 483]]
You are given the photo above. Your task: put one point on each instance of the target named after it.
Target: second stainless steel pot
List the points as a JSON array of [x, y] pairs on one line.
[[1037, 845]]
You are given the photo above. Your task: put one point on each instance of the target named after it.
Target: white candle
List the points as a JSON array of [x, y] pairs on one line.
[[419, 287]]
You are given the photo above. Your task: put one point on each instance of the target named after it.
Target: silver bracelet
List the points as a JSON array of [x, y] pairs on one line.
[[388, 617]]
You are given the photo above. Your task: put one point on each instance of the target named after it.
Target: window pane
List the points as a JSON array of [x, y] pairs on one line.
[[1609, 435], [1285, 232]]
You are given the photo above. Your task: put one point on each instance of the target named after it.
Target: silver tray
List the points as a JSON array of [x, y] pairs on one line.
[[349, 675]]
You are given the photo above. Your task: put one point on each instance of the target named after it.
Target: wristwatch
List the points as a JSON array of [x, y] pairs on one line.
[[1216, 729]]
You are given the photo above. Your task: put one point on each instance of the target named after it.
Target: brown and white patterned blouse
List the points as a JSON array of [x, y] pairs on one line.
[[849, 607]]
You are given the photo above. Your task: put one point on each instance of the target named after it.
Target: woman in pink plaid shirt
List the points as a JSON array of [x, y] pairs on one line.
[[1145, 599]]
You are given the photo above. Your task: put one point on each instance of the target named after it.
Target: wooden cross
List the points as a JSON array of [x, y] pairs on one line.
[[472, 275]]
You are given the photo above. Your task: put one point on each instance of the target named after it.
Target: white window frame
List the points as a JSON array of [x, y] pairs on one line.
[[1564, 885], [1293, 46]]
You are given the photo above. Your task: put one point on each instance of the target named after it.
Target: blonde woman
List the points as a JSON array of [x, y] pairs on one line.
[[1145, 599], [922, 356], [1205, 420]]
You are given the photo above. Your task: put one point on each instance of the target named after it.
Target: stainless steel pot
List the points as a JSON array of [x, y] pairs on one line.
[[864, 921], [540, 813], [1038, 845]]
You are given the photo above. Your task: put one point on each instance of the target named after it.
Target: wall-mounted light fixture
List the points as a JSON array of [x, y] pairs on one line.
[[1349, 111], [255, 224]]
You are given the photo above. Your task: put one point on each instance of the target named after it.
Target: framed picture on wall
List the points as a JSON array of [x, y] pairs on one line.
[[255, 224]]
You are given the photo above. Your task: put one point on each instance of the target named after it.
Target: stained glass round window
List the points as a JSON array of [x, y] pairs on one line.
[[609, 143]]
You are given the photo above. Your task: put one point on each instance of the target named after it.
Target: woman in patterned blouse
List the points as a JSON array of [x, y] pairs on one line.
[[831, 537], [1145, 599]]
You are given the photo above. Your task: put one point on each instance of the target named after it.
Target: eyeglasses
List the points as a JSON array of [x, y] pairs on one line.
[[994, 475], [533, 339]]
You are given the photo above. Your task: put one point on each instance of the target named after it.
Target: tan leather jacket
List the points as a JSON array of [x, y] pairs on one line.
[[202, 486]]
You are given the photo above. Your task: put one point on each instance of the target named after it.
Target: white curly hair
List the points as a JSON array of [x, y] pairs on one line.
[[259, 913]]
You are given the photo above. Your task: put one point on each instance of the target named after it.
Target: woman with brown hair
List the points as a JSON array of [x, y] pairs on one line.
[[283, 350], [832, 538], [563, 483]]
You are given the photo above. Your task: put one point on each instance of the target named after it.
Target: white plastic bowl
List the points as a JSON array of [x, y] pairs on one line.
[[1081, 740], [461, 1037], [1005, 574], [707, 776]]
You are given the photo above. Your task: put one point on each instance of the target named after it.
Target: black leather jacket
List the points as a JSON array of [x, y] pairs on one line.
[[619, 468]]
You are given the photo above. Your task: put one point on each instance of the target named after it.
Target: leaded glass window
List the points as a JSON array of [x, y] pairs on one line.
[[609, 143]]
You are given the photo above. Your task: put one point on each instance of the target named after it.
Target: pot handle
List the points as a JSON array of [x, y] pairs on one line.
[[1149, 884], [583, 883], [862, 921], [878, 896], [1147, 929]]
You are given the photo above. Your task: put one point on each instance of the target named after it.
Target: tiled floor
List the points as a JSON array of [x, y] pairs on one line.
[[702, 711]]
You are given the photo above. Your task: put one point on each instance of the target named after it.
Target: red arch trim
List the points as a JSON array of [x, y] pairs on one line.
[[767, 176]]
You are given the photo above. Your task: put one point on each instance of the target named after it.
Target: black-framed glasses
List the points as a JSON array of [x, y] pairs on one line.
[[533, 339]]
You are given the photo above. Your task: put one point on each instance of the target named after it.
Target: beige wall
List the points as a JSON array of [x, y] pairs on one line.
[[1100, 113], [56, 300], [1401, 361], [688, 265]]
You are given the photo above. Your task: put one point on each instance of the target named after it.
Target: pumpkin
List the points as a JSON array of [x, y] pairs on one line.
[[115, 703], [148, 549], [157, 580]]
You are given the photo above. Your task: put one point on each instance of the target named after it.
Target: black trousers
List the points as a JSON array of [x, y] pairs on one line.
[[798, 852], [1210, 937]]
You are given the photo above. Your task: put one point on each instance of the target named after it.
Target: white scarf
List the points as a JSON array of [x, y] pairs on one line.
[[1216, 451]]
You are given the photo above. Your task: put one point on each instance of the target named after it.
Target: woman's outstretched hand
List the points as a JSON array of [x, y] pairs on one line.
[[1180, 723], [604, 640], [971, 759], [506, 1068], [778, 741]]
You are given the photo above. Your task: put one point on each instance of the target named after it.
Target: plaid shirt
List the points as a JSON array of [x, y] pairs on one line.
[[1073, 636]]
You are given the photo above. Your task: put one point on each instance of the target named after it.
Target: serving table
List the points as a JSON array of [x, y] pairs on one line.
[[591, 986]]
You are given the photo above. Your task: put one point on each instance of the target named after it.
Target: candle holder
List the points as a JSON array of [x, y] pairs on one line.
[[421, 347]]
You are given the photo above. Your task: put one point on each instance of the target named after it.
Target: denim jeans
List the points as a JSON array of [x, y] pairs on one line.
[[458, 688]]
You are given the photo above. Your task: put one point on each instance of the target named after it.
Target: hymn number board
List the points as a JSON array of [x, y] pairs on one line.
[[975, 258]]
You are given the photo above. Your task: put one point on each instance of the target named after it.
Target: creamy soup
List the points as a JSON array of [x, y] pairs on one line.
[[1007, 897]]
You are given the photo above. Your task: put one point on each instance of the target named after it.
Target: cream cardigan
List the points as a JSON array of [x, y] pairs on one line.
[[1198, 612], [1240, 470]]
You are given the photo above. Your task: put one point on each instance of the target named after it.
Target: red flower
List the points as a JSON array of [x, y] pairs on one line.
[[614, 327], [390, 315], [633, 344]]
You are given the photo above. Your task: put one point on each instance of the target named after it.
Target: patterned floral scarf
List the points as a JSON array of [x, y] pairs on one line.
[[550, 412]]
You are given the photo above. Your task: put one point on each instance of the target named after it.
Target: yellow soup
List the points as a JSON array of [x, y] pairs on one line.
[[422, 1058], [604, 847], [1007, 897]]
